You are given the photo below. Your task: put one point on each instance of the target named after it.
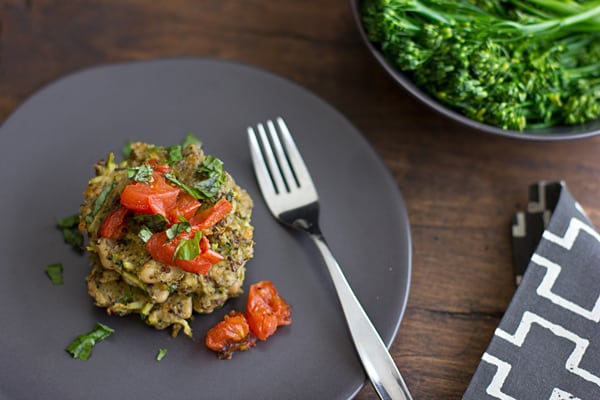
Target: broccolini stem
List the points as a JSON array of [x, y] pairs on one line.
[[584, 72], [552, 25], [563, 7]]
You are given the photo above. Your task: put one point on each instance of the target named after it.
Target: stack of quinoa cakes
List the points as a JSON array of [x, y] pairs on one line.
[[169, 234]]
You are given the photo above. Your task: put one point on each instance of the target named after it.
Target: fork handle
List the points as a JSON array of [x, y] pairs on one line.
[[376, 359]]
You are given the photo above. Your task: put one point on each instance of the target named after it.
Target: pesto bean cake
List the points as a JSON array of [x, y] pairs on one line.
[[169, 234]]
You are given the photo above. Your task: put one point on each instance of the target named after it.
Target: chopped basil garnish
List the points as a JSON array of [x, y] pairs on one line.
[[74, 238], [190, 190], [154, 222], [191, 139], [212, 168], [145, 234], [81, 347], [174, 154], [54, 272], [141, 173], [161, 354], [188, 249], [126, 150], [99, 202], [71, 234], [177, 228], [71, 221]]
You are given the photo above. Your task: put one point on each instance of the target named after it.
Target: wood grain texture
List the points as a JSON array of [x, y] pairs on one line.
[[461, 187]]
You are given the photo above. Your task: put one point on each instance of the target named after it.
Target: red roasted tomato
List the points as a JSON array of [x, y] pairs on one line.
[[163, 250], [156, 197], [231, 334], [266, 310], [114, 224]]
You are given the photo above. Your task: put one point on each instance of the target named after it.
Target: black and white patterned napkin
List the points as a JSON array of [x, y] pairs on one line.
[[547, 345]]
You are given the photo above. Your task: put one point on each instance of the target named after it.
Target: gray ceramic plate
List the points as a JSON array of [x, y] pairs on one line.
[[47, 148]]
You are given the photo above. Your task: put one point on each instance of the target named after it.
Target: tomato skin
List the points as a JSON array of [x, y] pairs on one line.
[[154, 198], [266, 310], [162, 168], [114, 224], [199, 265], [209, 253], [185, 206], [163, 252], [159, 249], [231, 334], [209, 217]]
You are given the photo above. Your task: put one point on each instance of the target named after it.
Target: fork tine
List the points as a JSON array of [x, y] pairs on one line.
[[260, 167], [271, 161], [282, 159], [296, 161]]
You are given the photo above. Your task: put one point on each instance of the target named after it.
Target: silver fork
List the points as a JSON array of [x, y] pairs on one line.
[[291, 196]]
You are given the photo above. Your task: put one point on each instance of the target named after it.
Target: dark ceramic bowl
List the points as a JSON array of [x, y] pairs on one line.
[[547, 134]]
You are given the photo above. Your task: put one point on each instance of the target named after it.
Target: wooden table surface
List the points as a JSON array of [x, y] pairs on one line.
[[461, 187]]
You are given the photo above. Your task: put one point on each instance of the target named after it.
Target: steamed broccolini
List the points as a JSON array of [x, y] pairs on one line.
[[515, 64]]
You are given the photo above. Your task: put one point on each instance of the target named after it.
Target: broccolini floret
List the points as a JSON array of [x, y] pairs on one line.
[[515, 64]]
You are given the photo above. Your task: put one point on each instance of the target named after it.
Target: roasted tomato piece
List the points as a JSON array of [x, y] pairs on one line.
[[156, 166], [266, 310], [230, 335], [209, 217], [185, 206], [163, 250], [209, 253], [114, 224], [156, 197], [199, 265]]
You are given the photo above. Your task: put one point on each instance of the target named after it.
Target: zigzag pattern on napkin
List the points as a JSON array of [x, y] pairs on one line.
[[545, 290], [567, 241], [558, 394], [572, 363], [574, 229], [502, 370]]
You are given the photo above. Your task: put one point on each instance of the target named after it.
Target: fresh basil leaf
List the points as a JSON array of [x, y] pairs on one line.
[[141, 173], [54, 272], [177, 228], [191, 139], [81, 347], [99, 202], [154, 222], [126, 150], [71, 234], [190, 190], [174, 154], [188, 249], [145, 234], [211, 165], [212, 169], [208, 187], [161, 354], [73, 237], [71, 221]]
